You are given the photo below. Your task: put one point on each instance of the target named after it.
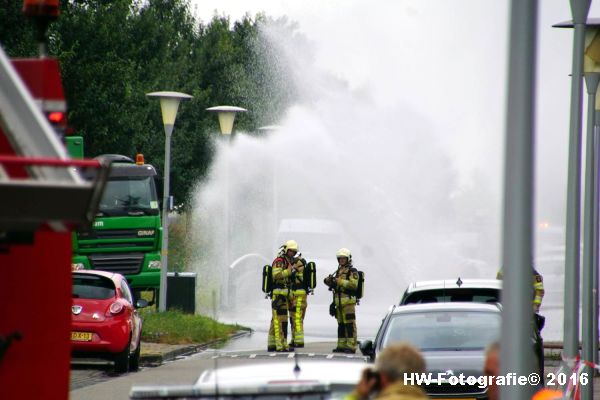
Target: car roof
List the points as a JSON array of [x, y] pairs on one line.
[[452, 284], [110, 275], [324, 371], [450, 306]]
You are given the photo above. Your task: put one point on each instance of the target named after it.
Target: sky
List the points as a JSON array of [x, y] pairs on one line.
[[447, 60]]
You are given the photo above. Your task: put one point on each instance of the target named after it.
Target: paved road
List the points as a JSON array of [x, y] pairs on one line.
[[87, 373], [95, 382], [187, 369]]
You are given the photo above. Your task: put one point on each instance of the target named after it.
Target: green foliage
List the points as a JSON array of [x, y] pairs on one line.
[[17, 35], [175, 327], [114, 52], [179, 243]]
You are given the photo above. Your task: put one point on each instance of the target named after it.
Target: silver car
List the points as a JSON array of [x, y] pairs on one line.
[[451, 336]]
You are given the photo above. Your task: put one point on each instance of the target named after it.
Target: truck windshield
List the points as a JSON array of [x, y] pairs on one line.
[[129, 196]]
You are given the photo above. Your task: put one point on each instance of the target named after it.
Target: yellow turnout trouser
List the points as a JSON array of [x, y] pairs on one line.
[[297, 312], [279, 321], [346, 319]]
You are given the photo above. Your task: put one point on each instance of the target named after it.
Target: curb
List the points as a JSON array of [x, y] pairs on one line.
[[157, 358]]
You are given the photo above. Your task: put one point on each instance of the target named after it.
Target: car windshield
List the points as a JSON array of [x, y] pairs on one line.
[[471, 295], [444, 330], [92, 287], [129, 196]]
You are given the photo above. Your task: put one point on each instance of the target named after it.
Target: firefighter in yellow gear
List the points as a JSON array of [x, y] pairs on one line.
[[538, 289], [283, 268], [343, 283], [298, 302]]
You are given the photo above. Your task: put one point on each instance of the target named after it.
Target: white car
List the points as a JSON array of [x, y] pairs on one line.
[[327, 379], [453, 290]]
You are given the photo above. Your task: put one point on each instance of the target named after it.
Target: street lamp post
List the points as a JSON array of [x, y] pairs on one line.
[[516, 352], [226, 116], [591, 81], [596, 237], [590, 246], [169, 103], [579, 11]]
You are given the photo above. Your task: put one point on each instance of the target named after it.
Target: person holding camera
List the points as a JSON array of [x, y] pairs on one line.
[[344, 283], [386, 380]]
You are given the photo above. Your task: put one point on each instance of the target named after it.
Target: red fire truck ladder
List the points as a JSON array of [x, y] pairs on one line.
[[39, 183]]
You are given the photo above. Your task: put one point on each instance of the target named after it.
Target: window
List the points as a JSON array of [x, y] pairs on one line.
[[444, 330], [92, 287], [472, 295], [129, 195], [126, 291]]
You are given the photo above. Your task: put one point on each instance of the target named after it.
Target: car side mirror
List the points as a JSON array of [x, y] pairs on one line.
[[141, 303], [366, 348]]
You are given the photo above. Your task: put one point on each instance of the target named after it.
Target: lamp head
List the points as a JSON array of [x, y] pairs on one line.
[[591, 56], [226, 117], [169, 103]]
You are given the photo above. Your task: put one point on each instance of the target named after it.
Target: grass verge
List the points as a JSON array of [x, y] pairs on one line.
[[176, 327]]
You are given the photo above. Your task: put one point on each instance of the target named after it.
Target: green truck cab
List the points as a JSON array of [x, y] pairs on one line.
[[126, 235]]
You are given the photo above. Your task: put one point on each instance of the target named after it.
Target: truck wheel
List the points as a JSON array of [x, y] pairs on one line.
[[122, 360], [134, 360]]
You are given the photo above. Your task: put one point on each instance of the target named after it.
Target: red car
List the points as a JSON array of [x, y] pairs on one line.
[[105, 322]]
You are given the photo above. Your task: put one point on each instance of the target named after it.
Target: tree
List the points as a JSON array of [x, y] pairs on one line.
[[17, 35], [114, 52]]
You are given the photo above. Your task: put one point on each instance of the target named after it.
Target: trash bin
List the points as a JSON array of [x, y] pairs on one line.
[[181, 291]]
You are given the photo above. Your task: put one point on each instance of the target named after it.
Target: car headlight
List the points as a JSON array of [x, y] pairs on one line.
[[155, 264], [77, 266]]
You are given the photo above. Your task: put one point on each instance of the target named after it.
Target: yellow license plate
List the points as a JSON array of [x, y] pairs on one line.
[[81, 336]]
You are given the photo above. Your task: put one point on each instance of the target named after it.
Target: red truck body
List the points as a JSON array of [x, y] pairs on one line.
[[35, 234]]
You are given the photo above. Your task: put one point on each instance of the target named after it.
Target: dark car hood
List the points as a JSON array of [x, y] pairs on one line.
[[468, 362]]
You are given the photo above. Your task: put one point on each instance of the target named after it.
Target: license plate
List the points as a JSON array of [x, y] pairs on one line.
[[81, 336]]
